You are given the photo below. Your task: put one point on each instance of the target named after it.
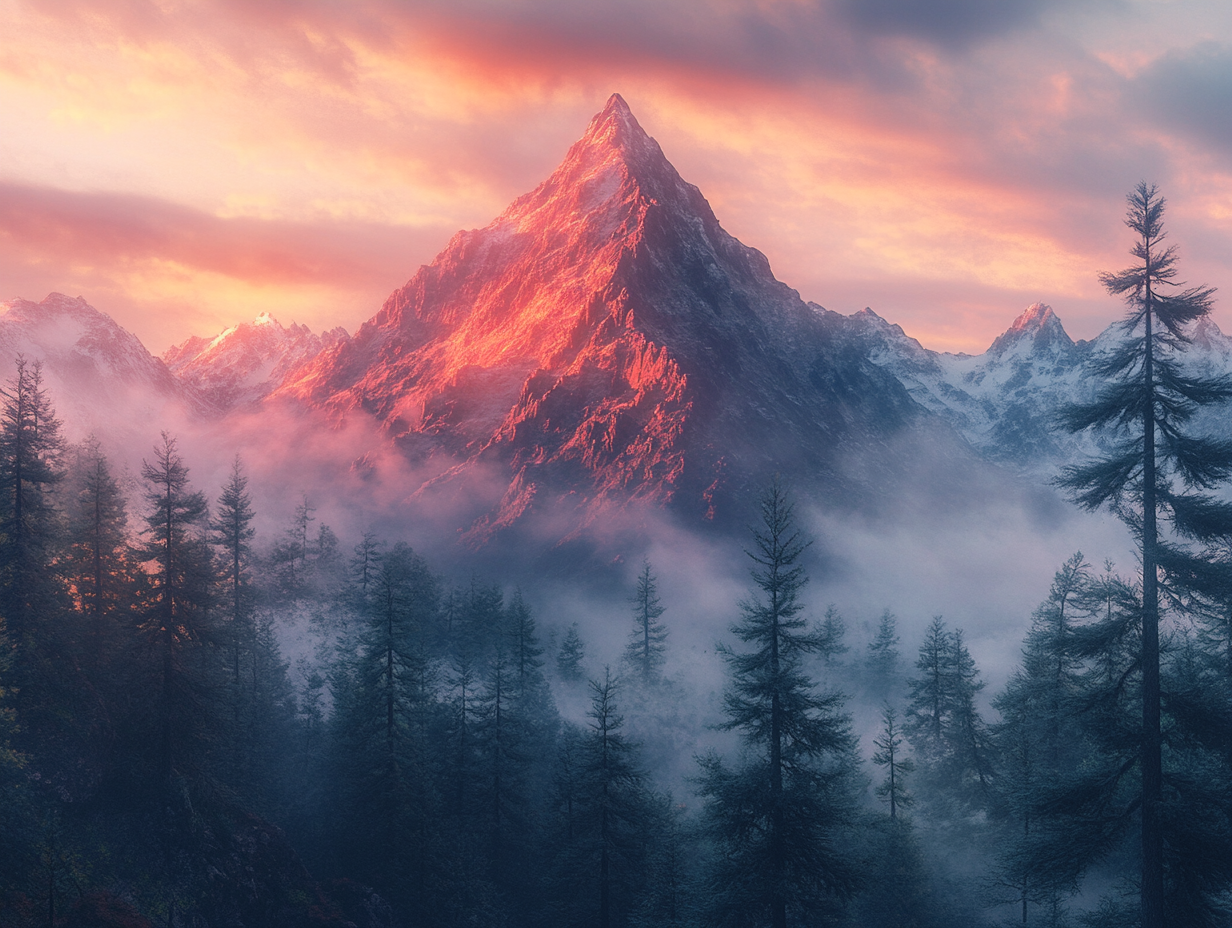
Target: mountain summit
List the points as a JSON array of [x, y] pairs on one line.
[[1038, 329], [605, 340]]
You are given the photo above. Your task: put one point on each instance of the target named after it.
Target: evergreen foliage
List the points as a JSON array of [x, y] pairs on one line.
[[601, 867], [179, 638], [1157, 474], [943, 723], [777, 820], [647, 643], [883, 657], [570, 656], [831, 644], [154, 742], [892, 755]]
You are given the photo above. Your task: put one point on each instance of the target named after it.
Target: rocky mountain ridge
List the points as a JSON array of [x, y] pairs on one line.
[[605, 340], [246, 362], [100, 375], [1004, 401]]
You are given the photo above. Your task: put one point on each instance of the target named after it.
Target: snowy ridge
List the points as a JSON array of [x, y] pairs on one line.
[[101, 378], [1004, 401], [246, 362]]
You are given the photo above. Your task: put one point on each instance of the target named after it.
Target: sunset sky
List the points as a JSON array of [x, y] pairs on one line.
[[186, 165]]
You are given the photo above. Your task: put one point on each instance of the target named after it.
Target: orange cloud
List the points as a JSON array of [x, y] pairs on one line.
[[313, 152]]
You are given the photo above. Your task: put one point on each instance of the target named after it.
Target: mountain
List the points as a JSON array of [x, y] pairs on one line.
[[606, 340], [1001, 401], [245, 363], [1004, 401], [100, 377]]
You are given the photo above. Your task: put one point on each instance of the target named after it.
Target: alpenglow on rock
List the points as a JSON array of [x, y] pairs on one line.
[[605, 340], [246, 362]]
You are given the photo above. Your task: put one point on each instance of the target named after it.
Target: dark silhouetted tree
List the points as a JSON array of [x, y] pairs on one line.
[[176, 626], [892, 755], [778, 819], [572, 653], [647, 643], [883, 659], [1155, 472]]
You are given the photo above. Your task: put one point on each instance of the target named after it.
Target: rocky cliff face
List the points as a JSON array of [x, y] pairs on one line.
[[605, 340]]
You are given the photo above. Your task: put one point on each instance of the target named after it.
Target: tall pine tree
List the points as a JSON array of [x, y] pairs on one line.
[[1156, 470], [778, 819], [645, 650]]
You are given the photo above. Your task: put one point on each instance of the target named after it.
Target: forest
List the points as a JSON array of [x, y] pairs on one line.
[[445, 757]]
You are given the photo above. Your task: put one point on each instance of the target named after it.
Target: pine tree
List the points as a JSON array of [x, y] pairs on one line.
[[176, 626], [232, 533], [645, 650], [31, 454], [600, 870], [1039, 740], [525, 654], [572, 653], [383, 729], [291, 556], [777, 820], [831, 645], [1155, 472], [883, 657], [892, 755], [943, 722], [98, 565], [500, 745]]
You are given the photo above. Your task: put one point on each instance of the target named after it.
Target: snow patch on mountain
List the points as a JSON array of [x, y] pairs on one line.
[[100, 377], [245, 363], [1005, 401]]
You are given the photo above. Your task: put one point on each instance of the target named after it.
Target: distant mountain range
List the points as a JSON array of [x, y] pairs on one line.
[[604, 342]]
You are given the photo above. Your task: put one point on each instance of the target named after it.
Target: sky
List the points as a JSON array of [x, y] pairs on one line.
[[187, 165]]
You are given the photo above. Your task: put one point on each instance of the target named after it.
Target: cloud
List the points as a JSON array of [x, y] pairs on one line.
[[1189, 91], [949, 24], [109, 227]]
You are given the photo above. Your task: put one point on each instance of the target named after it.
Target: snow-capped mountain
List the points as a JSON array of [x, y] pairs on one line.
[[1001, 401], [1004, 401], [605, 339], [99, 375], [245, 363]]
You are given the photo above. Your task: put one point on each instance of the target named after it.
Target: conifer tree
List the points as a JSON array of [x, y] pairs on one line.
[[831, 645], [1039, 739], [883, 656], [777, 820], [31, 466], [892, 755], [502, 804], [600, 870], [525, 654], [646, 647], [383, 730], [1156, 471], [943, 723], [232, 533], [176, 625], [896, 891], [97, 563], [572, 653]]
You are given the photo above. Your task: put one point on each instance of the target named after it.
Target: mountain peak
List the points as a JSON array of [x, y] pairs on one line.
[[613, 160], [1037, 325], [614, 126]]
